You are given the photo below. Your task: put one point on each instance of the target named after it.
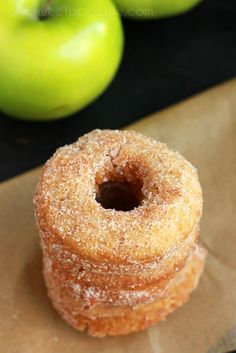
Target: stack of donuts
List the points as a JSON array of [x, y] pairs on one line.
[[118, 216]]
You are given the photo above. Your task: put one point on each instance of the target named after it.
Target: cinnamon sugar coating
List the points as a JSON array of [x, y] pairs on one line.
[[118, 216], [103, 320], [66, 206]]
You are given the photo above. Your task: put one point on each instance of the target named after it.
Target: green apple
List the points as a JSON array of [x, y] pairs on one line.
[[56, 56], [148, 9]]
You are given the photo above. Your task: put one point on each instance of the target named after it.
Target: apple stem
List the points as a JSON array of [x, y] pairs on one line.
[[44, 13]]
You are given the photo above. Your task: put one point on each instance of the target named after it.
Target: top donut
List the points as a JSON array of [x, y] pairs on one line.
[[118, 197]]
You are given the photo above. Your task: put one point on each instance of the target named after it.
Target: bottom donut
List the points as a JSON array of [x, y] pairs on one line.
[[106, 320]]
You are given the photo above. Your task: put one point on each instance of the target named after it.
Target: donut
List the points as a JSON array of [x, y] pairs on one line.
[[92, 287], [100, 321], [118, 216]]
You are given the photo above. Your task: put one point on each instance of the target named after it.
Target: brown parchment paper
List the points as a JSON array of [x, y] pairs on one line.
[[203, 129]]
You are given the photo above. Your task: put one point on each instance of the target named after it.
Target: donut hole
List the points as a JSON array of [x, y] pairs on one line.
[[119, 195]]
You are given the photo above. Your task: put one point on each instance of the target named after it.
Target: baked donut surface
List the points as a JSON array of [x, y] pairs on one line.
[[103, 320], [118, 215], [167, 188]]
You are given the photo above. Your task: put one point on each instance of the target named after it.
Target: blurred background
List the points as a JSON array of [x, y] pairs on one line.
[[164, 62]]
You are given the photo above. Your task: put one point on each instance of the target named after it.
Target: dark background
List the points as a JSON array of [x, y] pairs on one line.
[[165, 61]]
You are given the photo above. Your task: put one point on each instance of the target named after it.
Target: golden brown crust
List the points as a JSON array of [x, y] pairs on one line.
[[66, 208], [117, 277], [113, 269], [121, 320]]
